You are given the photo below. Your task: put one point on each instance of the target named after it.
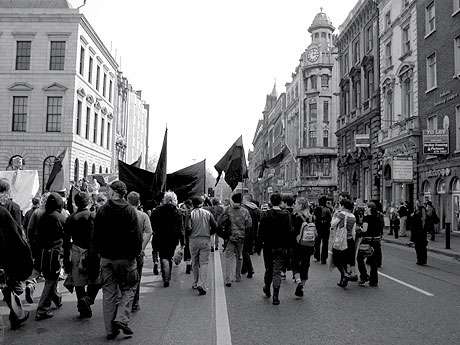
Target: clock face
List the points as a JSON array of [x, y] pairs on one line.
[[313, 54]]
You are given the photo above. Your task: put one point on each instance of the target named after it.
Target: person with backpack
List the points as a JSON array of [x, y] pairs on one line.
[[305, 232], [323, 219]]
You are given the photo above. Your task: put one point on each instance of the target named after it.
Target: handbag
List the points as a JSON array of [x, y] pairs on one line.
[[340, 238]]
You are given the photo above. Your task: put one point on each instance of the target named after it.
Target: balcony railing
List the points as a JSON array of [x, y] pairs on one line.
[[404, 127]]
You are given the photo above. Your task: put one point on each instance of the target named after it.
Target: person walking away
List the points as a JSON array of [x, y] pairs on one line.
[[118, 240], [50, 237], [369, 246], [217, 210], [343, 248], [5, 200], [431, 220], [238, 220], [287, 204], [305, 232], [15, 266], [146, 230], [323, 219], [274, 232], [186, 208], [395, 223], [28, 215], [80, 258], [403, 212], [168, 224], [249, 239], [199, 229], [416, 225]]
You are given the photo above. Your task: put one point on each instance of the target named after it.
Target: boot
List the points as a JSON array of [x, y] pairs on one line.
[[188, 269], [155, 269], [276, 300]]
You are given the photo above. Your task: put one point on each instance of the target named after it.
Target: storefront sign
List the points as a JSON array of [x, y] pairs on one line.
[[362, 140], [445, 97], [403, 169], [436, 142], [438, 172]]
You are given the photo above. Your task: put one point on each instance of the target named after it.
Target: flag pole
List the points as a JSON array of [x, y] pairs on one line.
[[204, 174]]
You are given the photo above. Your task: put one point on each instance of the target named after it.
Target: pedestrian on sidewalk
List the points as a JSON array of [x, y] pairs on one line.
[[431, 220], [274, 234], [395, 223], [323, 218], [369, 245], [50, 240], [302, 219], [287, 204], [81, 260], [250, 237], [343, 250], [403, 213], [168, 225], [238, 220], [28, 215], [200, 228], [416, 225], [217, 210], [118, 240], [154, 242], [146, 230], [15, 265], [186, 208]]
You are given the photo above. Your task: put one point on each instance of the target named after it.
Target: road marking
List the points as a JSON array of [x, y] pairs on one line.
[[222, 324], [407, 284]]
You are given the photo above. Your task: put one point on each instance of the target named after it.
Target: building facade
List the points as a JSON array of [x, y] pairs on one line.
[[137, 130], [358, 124], [438, 25], [56, 90], [400, 136]]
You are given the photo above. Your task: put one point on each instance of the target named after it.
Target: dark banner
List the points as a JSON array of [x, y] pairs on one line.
[[138, 180], [188, 182]]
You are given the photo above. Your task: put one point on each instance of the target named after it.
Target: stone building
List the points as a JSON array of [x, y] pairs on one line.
[[358, 124], [399, 138], [138, 122], [438, 25], [56, 90]]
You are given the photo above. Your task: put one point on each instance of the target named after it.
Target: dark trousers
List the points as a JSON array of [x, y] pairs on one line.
[[155, 252], [274, 263], [140, 265], [187, 254], [247, 262], [11, 293], [372, 261], [90, 292], [301, 261], [321, 245], [421, 251], [49, 294], [395, 230]]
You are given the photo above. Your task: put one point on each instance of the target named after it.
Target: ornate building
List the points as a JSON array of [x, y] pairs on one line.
[[358, 124]]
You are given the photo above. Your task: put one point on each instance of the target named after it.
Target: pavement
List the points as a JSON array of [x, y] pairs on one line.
[[412, 305]]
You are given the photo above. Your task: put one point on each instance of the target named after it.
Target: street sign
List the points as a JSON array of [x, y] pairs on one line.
[[436, 142], [403, 169]]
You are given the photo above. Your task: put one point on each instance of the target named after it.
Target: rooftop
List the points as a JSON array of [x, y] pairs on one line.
[[321, 21], [34, 4]]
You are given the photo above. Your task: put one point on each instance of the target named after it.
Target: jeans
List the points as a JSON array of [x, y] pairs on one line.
[[274, 263], [200, 249], [49, 294], [140, 265], [233, 251], [321, 245], [119, 279], [301, 261], [187, 254], [372, 261], [11, 293]]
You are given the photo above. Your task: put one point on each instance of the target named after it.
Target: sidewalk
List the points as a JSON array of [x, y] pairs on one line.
[[438, 246]]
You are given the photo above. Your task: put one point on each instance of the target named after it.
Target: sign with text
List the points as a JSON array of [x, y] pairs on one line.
[[403, 169], [436, 142], [362, 140]]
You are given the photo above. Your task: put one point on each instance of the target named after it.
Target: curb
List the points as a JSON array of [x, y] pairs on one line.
[[445, 252]]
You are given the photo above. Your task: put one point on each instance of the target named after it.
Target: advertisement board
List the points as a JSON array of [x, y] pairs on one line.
[[436, 142], [403, 169]]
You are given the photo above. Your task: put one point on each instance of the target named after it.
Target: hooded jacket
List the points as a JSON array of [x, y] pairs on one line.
[[50, 227], [116, 231]]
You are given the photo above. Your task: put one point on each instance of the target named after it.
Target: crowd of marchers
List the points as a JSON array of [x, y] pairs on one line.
[[101, 245]]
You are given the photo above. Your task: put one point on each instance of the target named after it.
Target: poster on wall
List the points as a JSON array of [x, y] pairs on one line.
[[403, 169], [436, 142], [24, 185]]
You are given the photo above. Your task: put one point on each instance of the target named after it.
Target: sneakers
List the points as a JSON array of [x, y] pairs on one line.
[[118, 325], [43, 316], [155, 269], [201, 291], [299, 290], [30, 293]]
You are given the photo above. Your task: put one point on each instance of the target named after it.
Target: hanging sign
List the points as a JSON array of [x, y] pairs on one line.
[[403, 169], [436, 142]]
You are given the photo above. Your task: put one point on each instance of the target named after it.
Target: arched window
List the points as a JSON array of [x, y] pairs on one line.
[[93, 169], [47, 167], [100, 169], [85, 169], [106, 170], [76, 171], [455, 185], [426, 187], [441, 187], [388, 108]]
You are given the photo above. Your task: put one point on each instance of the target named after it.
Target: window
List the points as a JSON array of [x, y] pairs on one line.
[[356, 52], [95, 127], [325, 81], [98, 77], [356, 93], [407, 97], [406, 40], [432, 123], [431, 81], [312, 135], [85, 169], [100, 169], [104, 85], [82, 61], [369, 38], [57, 55], [110, 91], [326, 111], [90, 70], [313, 82], [88, 119], [19, 114], [102, 132], [326, 138], [388, 108], [76, 171], [387, 20], [54, 114], [93, 169], [23, 55], [430, 19], [323, 35], [313, 112], [346, 63], [457, 55], [108, 135], [77, 130], [388, 60], [326, 167], [457, 124]]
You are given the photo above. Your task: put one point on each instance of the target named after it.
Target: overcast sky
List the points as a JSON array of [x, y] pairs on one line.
[[205, 66]]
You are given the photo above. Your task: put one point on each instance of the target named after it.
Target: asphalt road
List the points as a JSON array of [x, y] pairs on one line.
[[412, 305]]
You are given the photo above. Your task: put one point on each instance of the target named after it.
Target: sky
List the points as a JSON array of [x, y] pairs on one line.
[[206, 66]]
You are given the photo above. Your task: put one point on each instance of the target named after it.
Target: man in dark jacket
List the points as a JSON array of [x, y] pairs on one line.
[[323, 219], [118, 241], [274, 231], [250, 237]]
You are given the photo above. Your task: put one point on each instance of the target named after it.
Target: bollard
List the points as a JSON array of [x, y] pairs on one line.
[[447, 235]]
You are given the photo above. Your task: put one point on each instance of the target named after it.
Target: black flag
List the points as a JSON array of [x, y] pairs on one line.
[[233, 163], [137, 164], [159, 180]]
